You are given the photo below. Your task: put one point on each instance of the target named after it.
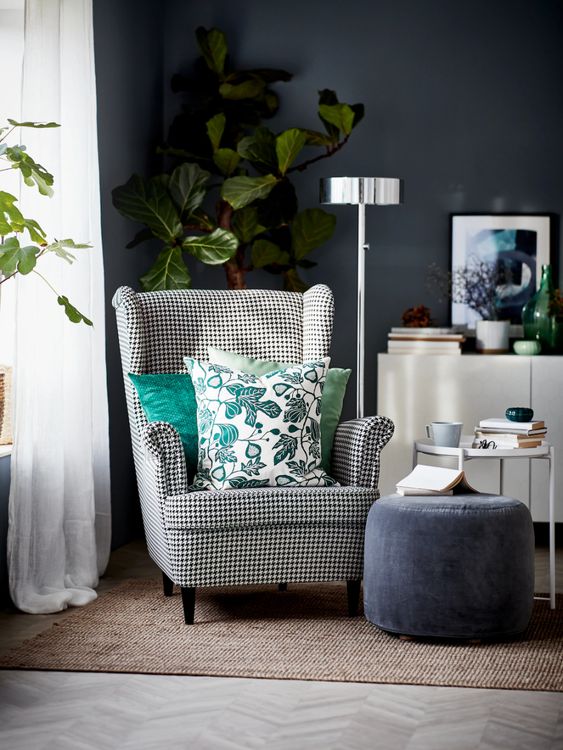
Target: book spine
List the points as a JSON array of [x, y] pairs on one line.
[[393, 343], [505, 424], [423, 352]]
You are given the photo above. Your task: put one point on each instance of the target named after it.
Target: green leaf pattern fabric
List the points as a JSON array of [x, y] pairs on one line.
[[259, 431]]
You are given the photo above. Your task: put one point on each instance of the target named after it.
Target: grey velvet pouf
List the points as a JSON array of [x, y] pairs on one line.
[[449, 567]]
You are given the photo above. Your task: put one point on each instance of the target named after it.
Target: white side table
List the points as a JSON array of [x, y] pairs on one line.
[[466, 453]]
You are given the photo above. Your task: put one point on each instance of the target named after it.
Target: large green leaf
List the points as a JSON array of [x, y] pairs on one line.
[[245, 223], [32, 172], [327, 96], [260, 148], [142, 236], [315, 138], [264, 253], [61, 248], [310, 229], [292, 282], [148, 203], [288, 145], [340, 115], [187, 187], [212, 249], [11, 218], [246, 90], [240, 191], [31, 124], [269, 75], [168, 272], [215, 128], [226, 159], [14, 257], [213, 46], [36, 232], [74, 315]]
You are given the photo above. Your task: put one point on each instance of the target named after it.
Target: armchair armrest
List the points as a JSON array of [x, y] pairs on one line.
[[163, 444], [356, 449]]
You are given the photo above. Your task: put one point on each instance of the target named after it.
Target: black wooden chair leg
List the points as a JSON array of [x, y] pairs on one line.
[[282, 586], [188, 602], [167, 585], [353, 597]]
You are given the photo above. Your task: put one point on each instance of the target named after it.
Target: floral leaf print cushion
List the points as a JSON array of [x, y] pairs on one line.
[[259, 431]]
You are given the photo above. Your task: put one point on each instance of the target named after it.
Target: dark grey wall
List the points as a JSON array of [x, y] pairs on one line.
[[463, 101], [129, 38]]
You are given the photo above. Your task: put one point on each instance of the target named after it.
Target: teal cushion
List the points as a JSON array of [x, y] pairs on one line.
[[333, 393], [170, 398]]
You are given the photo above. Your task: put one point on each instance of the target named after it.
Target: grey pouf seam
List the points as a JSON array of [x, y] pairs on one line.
[[449, 567]]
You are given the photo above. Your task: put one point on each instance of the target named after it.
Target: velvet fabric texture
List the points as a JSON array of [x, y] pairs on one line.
[[450, 567], [170, 397]]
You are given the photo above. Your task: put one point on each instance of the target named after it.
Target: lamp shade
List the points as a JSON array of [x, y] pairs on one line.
[[379, 191]]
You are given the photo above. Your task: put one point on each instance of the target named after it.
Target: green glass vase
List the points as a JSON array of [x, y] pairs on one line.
[[537, 319]]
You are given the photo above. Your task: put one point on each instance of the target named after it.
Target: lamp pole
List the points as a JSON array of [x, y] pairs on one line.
[[361, 191]]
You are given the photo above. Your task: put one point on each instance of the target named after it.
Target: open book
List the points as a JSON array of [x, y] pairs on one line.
[[434, 480]]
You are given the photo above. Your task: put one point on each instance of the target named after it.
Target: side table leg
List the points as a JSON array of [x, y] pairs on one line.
[[552, 527], [414, 456], [501, 476]]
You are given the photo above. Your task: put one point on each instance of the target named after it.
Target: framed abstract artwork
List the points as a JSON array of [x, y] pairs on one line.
[[510, 249]]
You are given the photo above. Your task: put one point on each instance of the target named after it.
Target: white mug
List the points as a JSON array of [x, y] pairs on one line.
[[444, 434]]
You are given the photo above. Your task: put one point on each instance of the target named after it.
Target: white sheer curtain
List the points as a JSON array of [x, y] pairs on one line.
[[59, 532]]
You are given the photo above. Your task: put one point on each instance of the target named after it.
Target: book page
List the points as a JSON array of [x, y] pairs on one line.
[[434, 478]]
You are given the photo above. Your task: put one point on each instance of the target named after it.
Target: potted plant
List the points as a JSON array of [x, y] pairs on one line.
[[227, 197], [23, 242], [475, 285]]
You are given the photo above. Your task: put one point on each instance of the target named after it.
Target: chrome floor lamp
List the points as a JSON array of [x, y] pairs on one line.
[[360, 192]]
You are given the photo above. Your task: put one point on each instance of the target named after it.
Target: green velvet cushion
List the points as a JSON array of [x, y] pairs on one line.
[[170, 398], [333, 393]]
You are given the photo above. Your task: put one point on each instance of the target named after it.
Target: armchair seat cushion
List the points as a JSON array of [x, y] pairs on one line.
[[269, 506]]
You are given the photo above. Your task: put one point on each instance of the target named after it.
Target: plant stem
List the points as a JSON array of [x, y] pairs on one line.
[[329, 152], [11, 130], [3, 279], [51, 287]]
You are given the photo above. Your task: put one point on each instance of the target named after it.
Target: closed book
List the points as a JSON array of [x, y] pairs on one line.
[[457, 337], [493, 444], [524, 433], [509, 437], [429, 331], [434, 480], [441, 352], [506, 424], [421, 344]]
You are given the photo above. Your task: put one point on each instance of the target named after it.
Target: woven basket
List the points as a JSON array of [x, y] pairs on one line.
[[6, 437]]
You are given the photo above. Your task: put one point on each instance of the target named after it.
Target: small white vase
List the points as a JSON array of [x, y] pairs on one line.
[[492, 336]]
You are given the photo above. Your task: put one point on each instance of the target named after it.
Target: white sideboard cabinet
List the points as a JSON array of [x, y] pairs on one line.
[[413, 390]]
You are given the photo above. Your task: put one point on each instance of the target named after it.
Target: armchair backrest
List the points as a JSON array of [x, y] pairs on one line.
[[158, 329]]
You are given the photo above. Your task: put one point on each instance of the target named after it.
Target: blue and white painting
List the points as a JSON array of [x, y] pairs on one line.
[[516, 245]]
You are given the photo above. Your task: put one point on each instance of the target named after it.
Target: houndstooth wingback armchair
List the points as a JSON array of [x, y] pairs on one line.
[[247, 536]]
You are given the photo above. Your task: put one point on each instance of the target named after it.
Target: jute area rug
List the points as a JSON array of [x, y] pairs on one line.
[[301, 634]]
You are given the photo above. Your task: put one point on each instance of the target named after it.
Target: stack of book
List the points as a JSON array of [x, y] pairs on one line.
[[505, 434], [425, 341]]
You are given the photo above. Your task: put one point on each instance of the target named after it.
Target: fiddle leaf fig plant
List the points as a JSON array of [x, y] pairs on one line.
[[17, 255], [228, 198]]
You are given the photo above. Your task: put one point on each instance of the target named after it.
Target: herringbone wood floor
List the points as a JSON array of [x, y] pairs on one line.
[[69, 711]]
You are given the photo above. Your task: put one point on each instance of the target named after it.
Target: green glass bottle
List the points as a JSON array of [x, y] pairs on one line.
[[536, 313]]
